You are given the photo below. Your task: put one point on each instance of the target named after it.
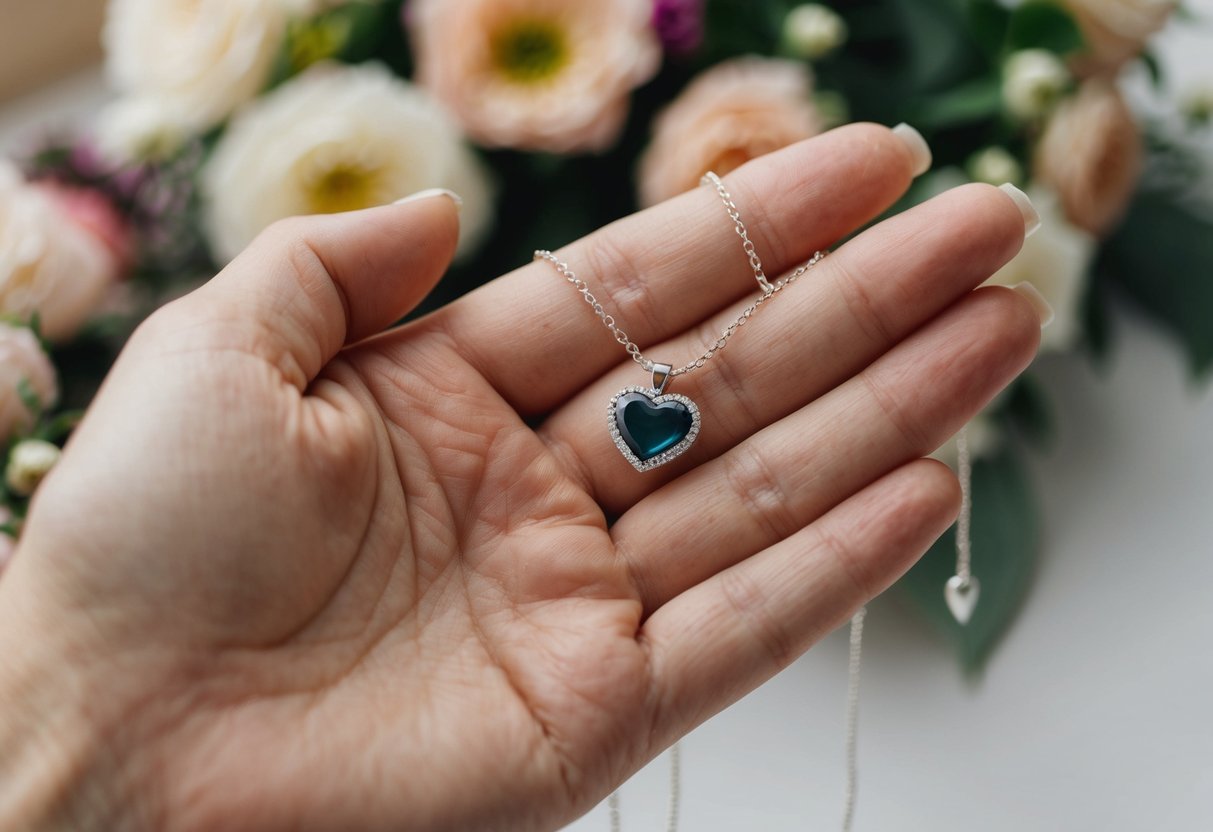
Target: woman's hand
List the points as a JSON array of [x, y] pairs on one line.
[[291, 574]]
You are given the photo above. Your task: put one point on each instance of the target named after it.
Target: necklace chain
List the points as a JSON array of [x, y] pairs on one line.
[[769, 290]]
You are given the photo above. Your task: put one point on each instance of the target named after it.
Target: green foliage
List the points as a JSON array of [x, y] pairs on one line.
[[974, 101], [1041, 24], [1005, 538], [1162, 257], [1026, 407]]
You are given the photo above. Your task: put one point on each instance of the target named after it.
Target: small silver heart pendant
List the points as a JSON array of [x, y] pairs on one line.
[[961, 595], [650, 426]]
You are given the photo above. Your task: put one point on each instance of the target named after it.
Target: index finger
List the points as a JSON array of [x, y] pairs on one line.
[[663, 270]]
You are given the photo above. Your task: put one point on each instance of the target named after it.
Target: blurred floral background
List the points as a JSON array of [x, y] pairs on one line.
[[553, 117]]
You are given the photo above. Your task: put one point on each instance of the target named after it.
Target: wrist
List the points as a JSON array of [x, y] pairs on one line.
[[61, 761]]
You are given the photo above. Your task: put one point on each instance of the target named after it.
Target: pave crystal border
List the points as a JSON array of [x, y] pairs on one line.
[[666, 455]]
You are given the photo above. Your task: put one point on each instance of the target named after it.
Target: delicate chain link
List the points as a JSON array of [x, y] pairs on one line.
[[964, 472], [673, 809], [769, 289], [852, 719]]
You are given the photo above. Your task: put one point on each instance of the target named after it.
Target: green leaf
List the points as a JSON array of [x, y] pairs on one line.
[[1028, 408], [1040, 24], [1005, 537], [989, 23], [1153, 69], [29, 398], [939, 42], [1162, 256], [977, 100]]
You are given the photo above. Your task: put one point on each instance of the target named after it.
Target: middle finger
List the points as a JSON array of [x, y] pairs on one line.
[[853, 307]]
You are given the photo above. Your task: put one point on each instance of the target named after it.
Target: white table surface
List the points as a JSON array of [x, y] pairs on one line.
[[1097, 711]]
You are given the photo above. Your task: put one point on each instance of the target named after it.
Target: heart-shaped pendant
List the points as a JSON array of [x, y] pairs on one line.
[[961, 595], [650, 427]]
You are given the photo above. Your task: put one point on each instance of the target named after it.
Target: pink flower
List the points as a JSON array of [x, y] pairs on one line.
[[60, 252], [1091, 153], [95, 213], [726, 116], [679, 24], [23, 363], [552, 75]]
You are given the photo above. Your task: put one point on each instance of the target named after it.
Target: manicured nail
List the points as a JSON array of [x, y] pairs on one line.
[[1034, 297], [920, 151], [432, 192], [1031, 219]]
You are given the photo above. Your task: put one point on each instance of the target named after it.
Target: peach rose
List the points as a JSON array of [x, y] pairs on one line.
[[59, 253], [731, 113], [23, 362], [550, 75], [1091, 154], [1116, 30]]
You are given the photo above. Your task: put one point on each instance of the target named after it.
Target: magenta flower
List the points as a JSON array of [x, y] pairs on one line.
[[679, 24]]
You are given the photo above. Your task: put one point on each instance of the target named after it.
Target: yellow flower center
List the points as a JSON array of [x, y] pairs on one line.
[[311, 42], [343, 187], [527, 51]]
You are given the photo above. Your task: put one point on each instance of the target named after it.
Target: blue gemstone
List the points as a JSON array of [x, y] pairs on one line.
[[647, 428]]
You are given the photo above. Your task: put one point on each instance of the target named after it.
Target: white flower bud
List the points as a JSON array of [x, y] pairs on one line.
[[1032, 82], [813, 31], [995, 165], [1197, 104], [30, 461]]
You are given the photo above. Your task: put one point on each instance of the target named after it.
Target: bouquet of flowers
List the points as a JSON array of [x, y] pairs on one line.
[[553, 117]]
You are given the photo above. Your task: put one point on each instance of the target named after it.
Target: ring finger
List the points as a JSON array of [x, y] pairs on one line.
[[853, 307]]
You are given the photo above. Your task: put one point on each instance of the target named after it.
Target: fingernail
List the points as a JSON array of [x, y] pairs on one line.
[[1034, 297], [920, 151], [432, 192], [1031, 219]]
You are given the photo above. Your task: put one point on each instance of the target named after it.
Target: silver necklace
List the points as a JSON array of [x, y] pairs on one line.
[[649, 426]]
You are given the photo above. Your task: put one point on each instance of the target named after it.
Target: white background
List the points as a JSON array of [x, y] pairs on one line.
[[1097, 711]]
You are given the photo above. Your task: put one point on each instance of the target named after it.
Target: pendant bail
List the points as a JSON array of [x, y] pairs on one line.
[[661, 377]]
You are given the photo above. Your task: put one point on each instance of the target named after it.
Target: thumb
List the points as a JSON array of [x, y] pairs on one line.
[[310, 285]]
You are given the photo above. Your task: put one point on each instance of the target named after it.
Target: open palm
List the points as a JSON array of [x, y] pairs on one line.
[[310, 577]]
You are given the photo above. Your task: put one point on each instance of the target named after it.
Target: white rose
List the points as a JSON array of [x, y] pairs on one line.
[[49, 264], [336, 138], [984, 438], [28, 464], [1116, 30], [141, 127], [1032, 81], [23, 362], [197, 60], [813, 31], [1056, 260]]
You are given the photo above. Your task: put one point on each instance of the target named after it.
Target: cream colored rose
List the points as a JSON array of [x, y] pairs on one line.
[[1057, 261], [550, 75], [1091, 154], [731, 113], [1116, 30], [984, 439], [336, 138], [23, 363], [192, 62], [49, 264]]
